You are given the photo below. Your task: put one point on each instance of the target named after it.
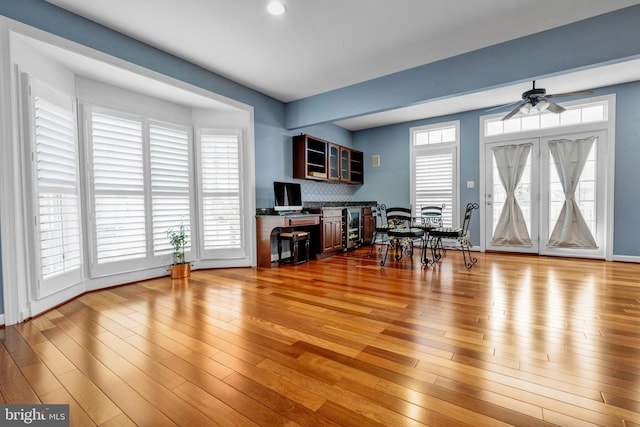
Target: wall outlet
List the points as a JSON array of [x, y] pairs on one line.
[[471, 184]]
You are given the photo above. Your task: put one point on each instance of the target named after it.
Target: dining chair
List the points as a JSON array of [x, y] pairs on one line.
[[460, 235], [381, 227], [431, 215], [401, 235]]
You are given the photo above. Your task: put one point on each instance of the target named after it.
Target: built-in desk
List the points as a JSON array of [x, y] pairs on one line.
[[268, 226]]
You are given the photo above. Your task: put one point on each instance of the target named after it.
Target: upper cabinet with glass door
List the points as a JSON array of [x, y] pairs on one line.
[[314, 158], [334, 162], [345, 163]]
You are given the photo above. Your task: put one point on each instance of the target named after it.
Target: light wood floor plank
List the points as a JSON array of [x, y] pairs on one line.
[[342, 341]]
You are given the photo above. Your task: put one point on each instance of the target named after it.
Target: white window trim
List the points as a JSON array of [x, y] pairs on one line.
[[415, 150], [607, 126]]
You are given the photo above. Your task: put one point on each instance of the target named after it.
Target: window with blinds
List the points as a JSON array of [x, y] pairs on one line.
[[170, 184], [142, 187], [58, 219], [118, 187], [221, 202], [434, 168]]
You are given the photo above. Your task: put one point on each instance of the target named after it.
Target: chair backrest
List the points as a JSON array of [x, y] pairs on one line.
[[467, 218], [399, 216], [380, 215], [432, 215]]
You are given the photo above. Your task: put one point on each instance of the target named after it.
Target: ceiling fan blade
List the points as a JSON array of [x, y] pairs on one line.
[[499, 107], [513, 112], [555, 108], [559, 95]]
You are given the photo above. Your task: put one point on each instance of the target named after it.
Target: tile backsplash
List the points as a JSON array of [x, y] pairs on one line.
[[315, 191]]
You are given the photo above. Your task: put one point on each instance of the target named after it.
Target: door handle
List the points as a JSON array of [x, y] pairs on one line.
[[489, 203]]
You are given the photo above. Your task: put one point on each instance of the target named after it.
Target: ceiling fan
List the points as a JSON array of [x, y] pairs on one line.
[[536, 100]]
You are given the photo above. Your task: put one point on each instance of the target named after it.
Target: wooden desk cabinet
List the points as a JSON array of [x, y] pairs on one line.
[[268, 226]]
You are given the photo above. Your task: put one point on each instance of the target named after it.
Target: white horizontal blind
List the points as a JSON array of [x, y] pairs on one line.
[[118, 184], [434, 182], [169, 148], [434, 167], [57, 189], [221, 207]]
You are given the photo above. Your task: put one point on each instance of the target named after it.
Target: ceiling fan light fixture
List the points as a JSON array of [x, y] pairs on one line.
[[276, 8], [542, 105], [527, 108]]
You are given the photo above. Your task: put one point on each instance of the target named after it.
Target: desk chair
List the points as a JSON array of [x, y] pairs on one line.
[[294, 238], [461, 235]]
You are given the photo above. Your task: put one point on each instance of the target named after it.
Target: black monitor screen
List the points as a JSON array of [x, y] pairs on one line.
[[287, 195]]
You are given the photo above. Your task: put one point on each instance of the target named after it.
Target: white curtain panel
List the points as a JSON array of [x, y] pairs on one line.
[[511, 228], [571, 230]]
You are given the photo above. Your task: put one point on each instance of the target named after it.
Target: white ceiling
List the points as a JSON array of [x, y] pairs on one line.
[[321, 45]]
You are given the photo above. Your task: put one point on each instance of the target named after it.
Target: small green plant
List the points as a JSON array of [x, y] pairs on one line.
[[178, 239]]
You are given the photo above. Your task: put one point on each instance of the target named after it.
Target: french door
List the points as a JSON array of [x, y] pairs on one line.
[[547, 195]]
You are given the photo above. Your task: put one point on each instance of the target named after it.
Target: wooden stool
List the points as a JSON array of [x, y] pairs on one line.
[[294, 238]]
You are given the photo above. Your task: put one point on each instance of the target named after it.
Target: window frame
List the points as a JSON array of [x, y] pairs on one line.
[[231, 252], [34, 88], [150, 259], [422, 150], [163, 257]]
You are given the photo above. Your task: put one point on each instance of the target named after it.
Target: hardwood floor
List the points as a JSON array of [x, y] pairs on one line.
[[517, 340]]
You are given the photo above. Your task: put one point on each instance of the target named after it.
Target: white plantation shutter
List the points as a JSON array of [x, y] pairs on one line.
[[118, 184], [170, 184], [56, 188], [434, 182], [221, 208], [434, 158]]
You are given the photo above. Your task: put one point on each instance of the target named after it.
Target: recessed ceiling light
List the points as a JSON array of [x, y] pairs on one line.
[[276, 8]]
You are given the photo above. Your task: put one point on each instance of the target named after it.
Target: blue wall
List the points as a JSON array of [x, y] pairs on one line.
[[627, 202]]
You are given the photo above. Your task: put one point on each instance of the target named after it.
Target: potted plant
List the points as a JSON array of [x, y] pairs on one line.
[[178, 240]]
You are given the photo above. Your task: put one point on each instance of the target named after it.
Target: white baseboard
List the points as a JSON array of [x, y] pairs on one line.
[[626, 258]]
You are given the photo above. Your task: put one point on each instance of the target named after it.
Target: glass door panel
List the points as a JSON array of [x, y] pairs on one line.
[[587, 238], [334, 164], [511, 194]]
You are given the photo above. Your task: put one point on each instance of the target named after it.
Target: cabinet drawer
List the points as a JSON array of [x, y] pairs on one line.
[[332, 213], [303, 220]]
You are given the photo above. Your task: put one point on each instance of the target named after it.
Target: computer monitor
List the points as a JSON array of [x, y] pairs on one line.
[[287, 196]]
